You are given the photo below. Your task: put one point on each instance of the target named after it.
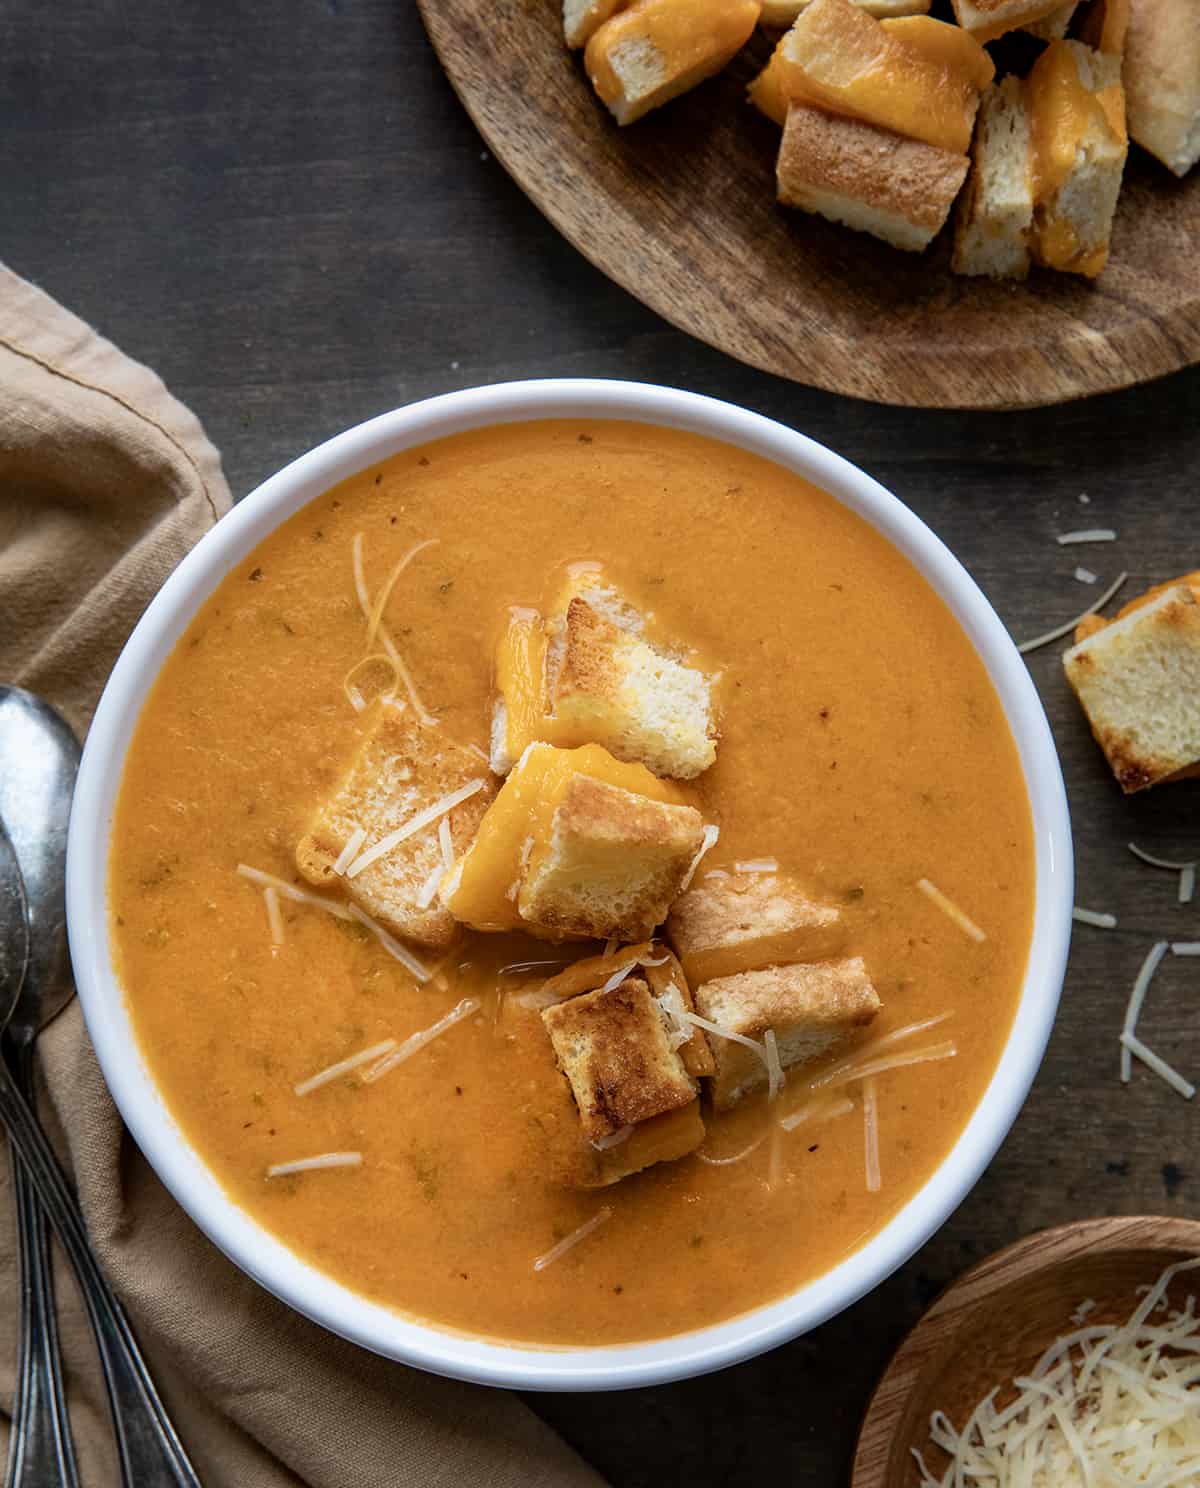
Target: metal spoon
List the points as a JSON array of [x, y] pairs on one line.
[[38, 761], [35, 793]]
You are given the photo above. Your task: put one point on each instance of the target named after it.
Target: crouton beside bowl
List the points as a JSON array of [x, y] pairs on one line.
[[709, 951]]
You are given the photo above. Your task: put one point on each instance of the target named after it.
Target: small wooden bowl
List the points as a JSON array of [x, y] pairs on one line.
[[995, 1322]]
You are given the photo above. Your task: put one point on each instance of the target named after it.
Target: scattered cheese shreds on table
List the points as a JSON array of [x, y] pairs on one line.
[[1061, 630], [1087, 535], [1105, 1405]]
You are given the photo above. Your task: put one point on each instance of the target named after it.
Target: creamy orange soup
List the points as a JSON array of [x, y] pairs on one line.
[[861, 745]]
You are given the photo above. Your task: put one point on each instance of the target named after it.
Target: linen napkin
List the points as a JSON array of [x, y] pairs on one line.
[[105, 482]]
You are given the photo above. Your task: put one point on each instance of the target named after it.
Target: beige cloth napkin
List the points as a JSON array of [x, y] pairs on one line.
[[105, 482]]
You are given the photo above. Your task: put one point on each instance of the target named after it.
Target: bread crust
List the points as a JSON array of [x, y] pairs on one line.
[[1162, 80], [899, 189]]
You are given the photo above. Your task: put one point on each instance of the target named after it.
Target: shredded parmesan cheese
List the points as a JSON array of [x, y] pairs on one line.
[[614, 1139], [415, 824], [726, 1033], [1160, 1067], [670, 1005], [948, 907], [1186, 871], [312, 1164], [381, 599], [519, 968], [350, 851], [757, 865], [1105, 1405], [871, 1134], [1087, 535], [1101, 919], [711, 834], [1061, 630], [618, 976], [344, 1066], [385, 640], [556, 1252], [610, 947], [430, 887], [357, 701], [725, 1162], [391, 945], [845, 1074], [774, 1068], [274, 918], [446, 842], [1185, 948], [290, 891], [816, 1111], [1137, 997], [417, 1041], [1085, 575]]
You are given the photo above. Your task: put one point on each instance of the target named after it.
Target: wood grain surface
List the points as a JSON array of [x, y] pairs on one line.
[[281, 206], [997, 1320], [680, 209]]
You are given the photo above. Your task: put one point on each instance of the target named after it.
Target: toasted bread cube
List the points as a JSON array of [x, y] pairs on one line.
[[920, 81], [583, 18], [1078, 128], [987, 19], [995, 212], [614, 689], [587, 676], [745, 921], [660, 969], [658, 49], [399, 770], [661, 1139], [576, 846], [613, 1049], [898, 189], [611, 864], [1162, 78], [1138, 680], [812, 1007]]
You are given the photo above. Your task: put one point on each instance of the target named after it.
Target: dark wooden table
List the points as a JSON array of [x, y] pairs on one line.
[[280, 206]]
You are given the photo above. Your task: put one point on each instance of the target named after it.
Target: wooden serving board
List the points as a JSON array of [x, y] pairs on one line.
[[680, 210]]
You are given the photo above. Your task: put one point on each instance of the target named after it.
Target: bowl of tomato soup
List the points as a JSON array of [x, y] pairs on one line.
[[376, 1146]]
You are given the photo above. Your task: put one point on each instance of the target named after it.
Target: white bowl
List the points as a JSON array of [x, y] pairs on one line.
[[181, 1169]]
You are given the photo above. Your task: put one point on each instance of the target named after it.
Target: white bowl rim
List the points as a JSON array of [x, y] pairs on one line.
[[267, 1259]]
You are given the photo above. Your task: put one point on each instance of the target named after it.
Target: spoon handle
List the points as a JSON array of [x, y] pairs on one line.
[[150, 1452], [40, 1453]]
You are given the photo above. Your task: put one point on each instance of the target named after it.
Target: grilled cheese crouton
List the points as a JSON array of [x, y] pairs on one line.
[[637, 1103], [746, 921], [987, 19], [656, 964], [657, 49], [576, 846], [1162, 80], [613, 864], [583, 18], [1079, 144], [812, 1007], [587, 676], [1138, 680], [615, 689], [399, 770], [842, 60], [870, 179], [994, 218]]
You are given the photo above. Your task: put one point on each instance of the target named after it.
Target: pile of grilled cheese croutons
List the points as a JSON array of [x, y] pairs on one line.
[[890, 116], [582, 829]]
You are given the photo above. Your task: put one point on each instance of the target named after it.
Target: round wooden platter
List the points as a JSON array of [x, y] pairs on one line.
[[680, 210], [997, 1320]]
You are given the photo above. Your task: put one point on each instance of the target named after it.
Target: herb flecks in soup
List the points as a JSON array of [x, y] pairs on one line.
[[429, 1114]]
